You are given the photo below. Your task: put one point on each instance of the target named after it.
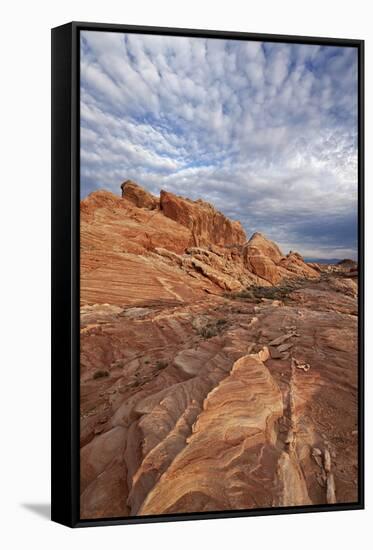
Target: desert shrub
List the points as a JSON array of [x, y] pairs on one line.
[[256, 293], [212, 328], [101, 374], [161, 365], [209, 331]]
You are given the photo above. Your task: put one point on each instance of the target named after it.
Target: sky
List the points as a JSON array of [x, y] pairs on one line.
[[266, 132]]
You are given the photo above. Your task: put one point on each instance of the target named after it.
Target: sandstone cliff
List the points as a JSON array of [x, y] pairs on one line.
[[181, 248], [207, 225]]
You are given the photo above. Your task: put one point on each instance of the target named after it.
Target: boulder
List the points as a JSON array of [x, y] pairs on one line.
[[138, 196], [258, 244]]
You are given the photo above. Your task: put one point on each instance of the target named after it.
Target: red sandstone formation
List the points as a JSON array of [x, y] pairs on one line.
[[265, 259], [207, 225], [138, 196], [122, 238], [204, 386]]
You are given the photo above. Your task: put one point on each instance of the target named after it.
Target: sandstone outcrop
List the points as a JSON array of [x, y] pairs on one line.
[[181, 248], [138, 196], [207, 225], [294, 263], [264, 258], [189, 418], [197, 395], [221, 466], [258, 245]]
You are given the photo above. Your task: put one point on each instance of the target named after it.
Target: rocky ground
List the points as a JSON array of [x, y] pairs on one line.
[[214, 375]]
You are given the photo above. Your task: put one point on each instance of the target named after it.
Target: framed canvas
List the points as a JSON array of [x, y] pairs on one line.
[[207, 274]]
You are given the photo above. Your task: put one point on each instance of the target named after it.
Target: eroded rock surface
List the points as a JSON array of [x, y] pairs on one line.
[[181, 248], [138, 195], [196, 395], [207, 225]]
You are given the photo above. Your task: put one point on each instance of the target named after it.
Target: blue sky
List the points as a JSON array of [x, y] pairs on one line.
[[266, 132]]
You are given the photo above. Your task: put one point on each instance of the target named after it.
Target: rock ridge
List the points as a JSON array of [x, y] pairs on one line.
[[182, 248]]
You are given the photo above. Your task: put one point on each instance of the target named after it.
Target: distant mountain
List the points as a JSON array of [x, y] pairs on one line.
[[323, 260]]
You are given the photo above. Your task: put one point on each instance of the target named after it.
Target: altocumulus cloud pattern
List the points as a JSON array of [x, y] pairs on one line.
[[266, 132]]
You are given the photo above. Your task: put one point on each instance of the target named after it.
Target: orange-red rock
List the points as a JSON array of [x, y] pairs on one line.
[[207, 225], [192, 400], [264, 258], [120, 240], [260, 245], [138, 195], [294, 263]]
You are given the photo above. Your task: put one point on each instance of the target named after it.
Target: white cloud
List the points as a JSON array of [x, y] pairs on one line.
[[265, 131]]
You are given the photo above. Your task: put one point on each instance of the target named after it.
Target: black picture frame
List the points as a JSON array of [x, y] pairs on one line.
[[66, 276]]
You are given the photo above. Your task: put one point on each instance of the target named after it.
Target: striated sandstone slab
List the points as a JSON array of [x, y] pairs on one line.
[[232, 442]]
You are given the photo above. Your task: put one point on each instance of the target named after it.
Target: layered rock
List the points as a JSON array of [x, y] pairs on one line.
[[259, 245], [207, 225], [232, 444], [294, 263], [196, 396], [118, 265], [138, 195], [264, 258], [137, 234], [180, 413]]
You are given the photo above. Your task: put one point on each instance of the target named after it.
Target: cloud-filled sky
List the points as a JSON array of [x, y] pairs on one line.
[[266, 132]]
